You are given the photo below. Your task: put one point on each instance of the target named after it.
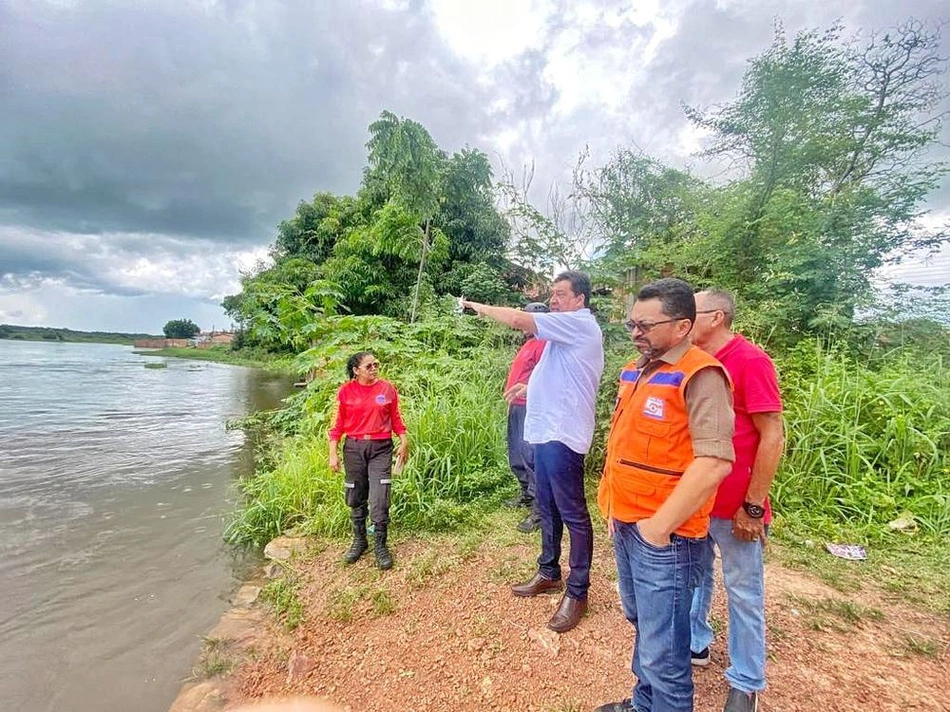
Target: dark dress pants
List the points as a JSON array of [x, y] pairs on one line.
[[561, 502]]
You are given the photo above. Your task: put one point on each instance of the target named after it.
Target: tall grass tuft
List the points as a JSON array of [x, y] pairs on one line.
[[866, 446]]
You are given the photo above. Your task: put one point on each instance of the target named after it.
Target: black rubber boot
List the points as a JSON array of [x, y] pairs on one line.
[[384, 559], [359, 545]]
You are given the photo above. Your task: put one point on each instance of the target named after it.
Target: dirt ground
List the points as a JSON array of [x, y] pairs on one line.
[[441, 631]]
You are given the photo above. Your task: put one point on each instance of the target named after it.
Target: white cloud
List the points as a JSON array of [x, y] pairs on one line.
[[488, 32]]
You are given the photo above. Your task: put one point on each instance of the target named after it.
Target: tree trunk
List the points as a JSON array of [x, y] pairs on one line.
[[422, 266]]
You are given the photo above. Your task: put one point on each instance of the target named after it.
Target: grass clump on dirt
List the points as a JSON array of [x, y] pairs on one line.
[[283, 596], [215, 660]]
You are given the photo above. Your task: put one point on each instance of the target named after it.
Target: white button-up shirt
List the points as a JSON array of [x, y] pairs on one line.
[[562, 390]]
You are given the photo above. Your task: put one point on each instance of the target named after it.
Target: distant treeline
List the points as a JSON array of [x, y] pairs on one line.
[[43, 333]]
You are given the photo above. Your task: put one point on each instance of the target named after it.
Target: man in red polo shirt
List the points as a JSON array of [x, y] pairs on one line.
[[741, 512], [521, 453]]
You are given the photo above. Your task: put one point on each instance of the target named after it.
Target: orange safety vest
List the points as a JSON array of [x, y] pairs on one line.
[[649, 446]]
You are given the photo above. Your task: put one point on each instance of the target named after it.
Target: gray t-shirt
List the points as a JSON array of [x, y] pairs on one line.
[[562, 390]]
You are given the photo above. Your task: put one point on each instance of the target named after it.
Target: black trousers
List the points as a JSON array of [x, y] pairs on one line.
[[368, 465], [520, 453]]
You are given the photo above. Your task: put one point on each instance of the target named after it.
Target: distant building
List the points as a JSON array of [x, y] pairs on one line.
[[204, 340], [207, 339], [160, 343]]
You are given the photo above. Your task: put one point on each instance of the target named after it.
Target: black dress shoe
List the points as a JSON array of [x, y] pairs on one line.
[[622, 706], [569, 614], [535, 586]]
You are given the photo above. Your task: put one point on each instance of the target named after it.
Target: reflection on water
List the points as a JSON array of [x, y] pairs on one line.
[[114, 484]]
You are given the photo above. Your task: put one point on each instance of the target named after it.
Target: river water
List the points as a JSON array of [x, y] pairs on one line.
[[115, 484]]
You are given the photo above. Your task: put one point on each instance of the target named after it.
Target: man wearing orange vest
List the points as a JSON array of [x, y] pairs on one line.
[[670, 445]]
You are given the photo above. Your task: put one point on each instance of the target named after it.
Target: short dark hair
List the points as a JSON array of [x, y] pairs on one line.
[[675, 295], [353, 363], [580, 283]]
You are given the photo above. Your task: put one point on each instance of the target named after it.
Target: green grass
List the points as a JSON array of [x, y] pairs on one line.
[[833, 614], [156, 364], [921, 645], [224, 354], [912, 571], [457, 470], [214, 660], [867, 445], [382, 602], [283, 597], [345, 604]]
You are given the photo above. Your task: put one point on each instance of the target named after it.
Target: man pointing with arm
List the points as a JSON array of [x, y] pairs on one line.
[[559, 423]]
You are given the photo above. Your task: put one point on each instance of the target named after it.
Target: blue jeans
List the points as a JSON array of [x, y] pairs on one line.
[[744, 578], [656, 589], [560, 502]]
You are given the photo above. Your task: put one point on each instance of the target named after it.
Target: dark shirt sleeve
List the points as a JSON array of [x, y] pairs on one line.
[[711, 418]]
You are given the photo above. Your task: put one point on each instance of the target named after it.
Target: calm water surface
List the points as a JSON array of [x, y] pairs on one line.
[[115, 481]]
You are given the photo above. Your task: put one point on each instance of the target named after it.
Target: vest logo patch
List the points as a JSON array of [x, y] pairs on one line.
[[654, 408]]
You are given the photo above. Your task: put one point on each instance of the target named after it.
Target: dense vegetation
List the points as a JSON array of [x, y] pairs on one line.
[[826, 142], [43, 333], [180, 329]]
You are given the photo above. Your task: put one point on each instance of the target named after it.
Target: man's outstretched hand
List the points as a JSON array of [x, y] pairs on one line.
[[474, 306]]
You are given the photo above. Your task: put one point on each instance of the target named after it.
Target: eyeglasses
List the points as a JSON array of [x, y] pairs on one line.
[[374, 364], [707, 311], [644, 326]]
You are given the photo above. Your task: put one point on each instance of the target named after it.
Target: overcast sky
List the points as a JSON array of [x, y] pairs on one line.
[[148, 150]]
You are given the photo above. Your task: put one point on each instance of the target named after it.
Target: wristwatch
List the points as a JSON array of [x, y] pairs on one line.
[[753, 510]]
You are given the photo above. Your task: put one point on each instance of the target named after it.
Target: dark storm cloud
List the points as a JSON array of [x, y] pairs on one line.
[[208, 119], [144, 145]]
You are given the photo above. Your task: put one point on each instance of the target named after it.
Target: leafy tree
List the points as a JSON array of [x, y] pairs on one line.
[[406, 163], [423, 224], [317, 226], [832, 137], [277, 305], [180, 329], [647, 214]]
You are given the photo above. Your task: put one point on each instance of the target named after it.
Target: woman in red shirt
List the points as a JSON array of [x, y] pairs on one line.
[[368, 415]]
